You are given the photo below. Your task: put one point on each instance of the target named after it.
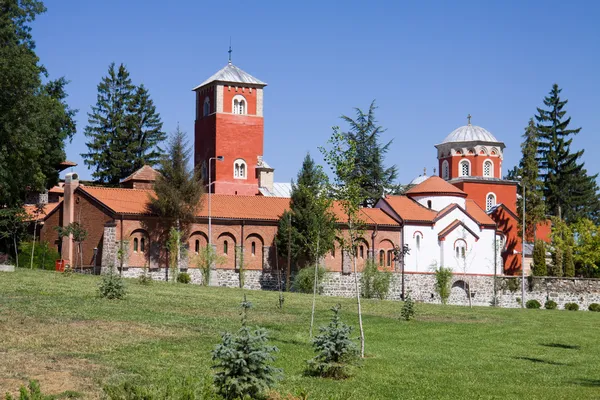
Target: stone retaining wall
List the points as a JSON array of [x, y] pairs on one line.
[[421, 287]]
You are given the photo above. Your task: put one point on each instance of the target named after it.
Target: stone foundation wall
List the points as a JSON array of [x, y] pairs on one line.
[[421, 287]]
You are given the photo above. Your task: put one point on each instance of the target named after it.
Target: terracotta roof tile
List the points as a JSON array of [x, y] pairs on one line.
[[146, 173], [435, 185], [48, 208], [368, 215], [57, 189], [409, 210], [478, 214]]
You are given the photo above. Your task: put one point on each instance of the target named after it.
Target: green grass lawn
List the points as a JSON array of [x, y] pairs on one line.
[[56, 329]]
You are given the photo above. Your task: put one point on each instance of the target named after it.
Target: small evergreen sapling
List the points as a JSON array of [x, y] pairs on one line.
[[336, 351], [243, 362], [408, 309]]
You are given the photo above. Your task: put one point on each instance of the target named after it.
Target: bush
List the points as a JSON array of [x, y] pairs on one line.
[[533, 304], [594, 307], [145, 278], [512, 284], [305, 280], [34, 393], [336, 352], [112, 286], [243, 362], [443, 277], [408, 309], [550, 305], [44, 256], [374, 283], [539, 259], [184, 277], [572, 306]]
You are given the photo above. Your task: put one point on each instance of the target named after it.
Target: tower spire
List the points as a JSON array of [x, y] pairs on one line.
[[229, 50]]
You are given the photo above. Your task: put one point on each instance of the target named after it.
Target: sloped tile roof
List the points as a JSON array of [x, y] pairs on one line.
[[409, 210], [478, 214], [455, 224], [434, 185], [232, 74], [48, 208], [146, 173], [57, 189], [368, 215]]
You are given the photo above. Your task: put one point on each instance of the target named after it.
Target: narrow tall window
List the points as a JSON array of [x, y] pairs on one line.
[[197, 246], [381, 258], [429, 204], [418, 240], [464, 168], [362, 251], [488, 169], [389, 258], [135, 245], [333, 253], [239, 105], [490, 201], [225, 247], [206, 110], [142, 245], [253, 248], [239, 169], [445, 170]]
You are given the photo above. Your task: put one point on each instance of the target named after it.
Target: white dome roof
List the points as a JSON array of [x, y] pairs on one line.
[[419, 179], [470, 133]]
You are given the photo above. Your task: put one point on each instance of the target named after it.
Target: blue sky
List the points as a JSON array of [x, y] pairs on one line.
[[427, 64]]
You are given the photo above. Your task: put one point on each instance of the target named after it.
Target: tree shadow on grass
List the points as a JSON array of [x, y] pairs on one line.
[[562, 346], [587, 382], [540, 361]]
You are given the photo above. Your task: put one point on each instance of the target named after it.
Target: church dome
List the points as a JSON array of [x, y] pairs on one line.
[[470, 133], [419, 179]]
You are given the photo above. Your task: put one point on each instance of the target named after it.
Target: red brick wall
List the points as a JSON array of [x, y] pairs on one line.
[[229, 92], [476, 165], [510, 228], [478, 191], [48, 233]]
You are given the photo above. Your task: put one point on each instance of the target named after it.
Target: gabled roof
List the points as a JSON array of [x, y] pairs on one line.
[[48, 208], [478, 214], [369, 216], [409, 210], [434, 185], [146, 173], [232, 74], [455, 224]]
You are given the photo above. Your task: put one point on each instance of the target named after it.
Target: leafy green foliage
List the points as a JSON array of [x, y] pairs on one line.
[[557, 262], [539, 259], [534, 304], [31, 392], [124, 129], [375, 283], [443, 278], [145, 278], [243, 362], [184, 277], [594, 307], [78, 233], [35, 120], [206, 258], [336, 352], [550, 305], [44, 255], [112, 286], [12, 229], [572, 306], [512, 284], [408, 308], [586, 245], [305, 279]]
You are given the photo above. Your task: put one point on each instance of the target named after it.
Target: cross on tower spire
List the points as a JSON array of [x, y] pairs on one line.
[[230, 51], [468, 116]]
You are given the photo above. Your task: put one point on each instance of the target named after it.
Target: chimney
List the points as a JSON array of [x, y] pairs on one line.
[[265, 174], [71, 183]]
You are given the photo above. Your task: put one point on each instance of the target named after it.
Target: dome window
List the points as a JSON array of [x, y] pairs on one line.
[[488, 169], [445, 170], [465, 168]]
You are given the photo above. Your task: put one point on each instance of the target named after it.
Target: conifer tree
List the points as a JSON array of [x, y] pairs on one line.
[[539, 259], [528, 170], [557, 262], [377, 179], [568, 263], [124, 129], [569, 192]]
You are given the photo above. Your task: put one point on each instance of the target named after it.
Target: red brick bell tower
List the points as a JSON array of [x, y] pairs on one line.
[[229, 123]]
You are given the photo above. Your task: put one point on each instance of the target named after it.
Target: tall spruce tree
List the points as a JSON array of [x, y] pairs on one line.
[[569, 192], [124, 129], [377, 179], [528, 170], [35, 120]]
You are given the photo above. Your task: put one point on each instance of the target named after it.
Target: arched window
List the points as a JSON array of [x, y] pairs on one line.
[[389, 258], [381, 258], [135, 244], [465, 168], [206, 109], [488, 169], [362, 251], [460, 249], [333, 253], [490, 201], [225, 247], [253, 248], [197, 246], [418, 242], [239, 105], [445, 170], [239, 169], [429, 204], [142, 245]]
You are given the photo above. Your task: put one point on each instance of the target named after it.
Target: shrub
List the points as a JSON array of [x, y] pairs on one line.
[[408, 309], [533, 304], [443, 277], [184, 277], [32, 392], [374, 283], [205, 260], [539, 259], [572, 306], [243, 362], [512, 284], [44, 256], [594, 307], [145, 278], [336, 352], [550, 305], [112, 286], [305, 279]]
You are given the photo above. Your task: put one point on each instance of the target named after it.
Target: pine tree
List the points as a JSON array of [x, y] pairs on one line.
[[568, 264], [557, 262], [528, 170], [124, 128], [377, 179], [539, 259], [35, 120], [569, 192]]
